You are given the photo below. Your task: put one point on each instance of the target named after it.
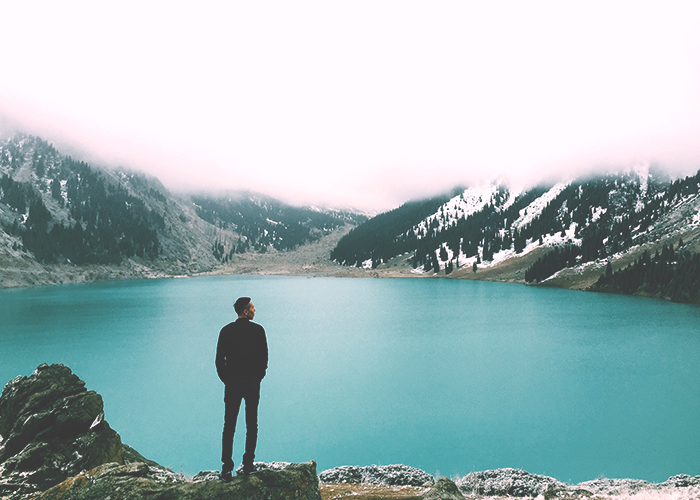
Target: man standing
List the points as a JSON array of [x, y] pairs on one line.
[[241, 362]]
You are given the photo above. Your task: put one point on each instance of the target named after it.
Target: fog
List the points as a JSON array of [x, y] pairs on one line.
[[361, 104]]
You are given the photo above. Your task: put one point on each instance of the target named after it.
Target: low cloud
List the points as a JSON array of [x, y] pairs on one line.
[[360, 105]]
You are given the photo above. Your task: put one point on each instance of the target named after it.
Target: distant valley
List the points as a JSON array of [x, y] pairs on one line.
[[62, 220]]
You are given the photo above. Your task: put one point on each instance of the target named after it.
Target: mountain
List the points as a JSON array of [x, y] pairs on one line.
[[562, 234], [63, 220], [262, 223], [63, 216]]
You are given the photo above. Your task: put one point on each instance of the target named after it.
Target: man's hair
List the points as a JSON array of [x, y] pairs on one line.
[[241, 305]]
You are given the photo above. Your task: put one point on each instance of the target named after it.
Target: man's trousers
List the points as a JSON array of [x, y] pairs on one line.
[[249, 391]]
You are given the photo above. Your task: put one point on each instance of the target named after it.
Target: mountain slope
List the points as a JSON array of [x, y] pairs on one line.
[[57, 213], [535, 234]]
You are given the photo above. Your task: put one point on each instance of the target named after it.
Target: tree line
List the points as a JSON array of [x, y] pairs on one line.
[[669, 274], [595, 218], [263, 223], [104, 224]]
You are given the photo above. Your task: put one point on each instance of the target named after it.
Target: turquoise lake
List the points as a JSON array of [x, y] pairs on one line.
[[444, 375]]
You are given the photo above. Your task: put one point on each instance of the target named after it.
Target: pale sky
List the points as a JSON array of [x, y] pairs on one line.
[[364, 104]]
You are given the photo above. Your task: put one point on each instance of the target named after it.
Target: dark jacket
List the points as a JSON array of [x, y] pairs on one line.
[[241, 353]]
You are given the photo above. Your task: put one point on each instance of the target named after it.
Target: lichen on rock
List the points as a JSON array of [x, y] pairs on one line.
[[443, 489], [388, 475], [139, 480], [509, 482]]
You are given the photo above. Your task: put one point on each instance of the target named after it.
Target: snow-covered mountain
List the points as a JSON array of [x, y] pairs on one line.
[[594, 219], [59, 215]]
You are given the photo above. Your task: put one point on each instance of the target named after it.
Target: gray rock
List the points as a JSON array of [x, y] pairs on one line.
[[350, 474], [213, 475], [52, 427], [387, 475], [139, 480], [606, 486], [510, 482], [444, 489], [681, 481], [258, 466], [681, 485], [54, 439]]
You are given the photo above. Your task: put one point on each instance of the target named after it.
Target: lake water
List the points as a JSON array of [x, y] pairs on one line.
[[448, 376]]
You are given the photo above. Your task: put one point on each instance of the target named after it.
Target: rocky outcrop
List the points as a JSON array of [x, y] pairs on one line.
[[139, 480], [682, 485], [519, 483], [51, 428], [387, 475], [444, 489], [511, 483], [209, 475], [681, 481], [55, 443]]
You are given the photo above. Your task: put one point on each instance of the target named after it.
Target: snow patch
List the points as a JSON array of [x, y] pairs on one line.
[[534, 209], [64, 192], [598, 213], [465, 204], [549, 240], [389, 475], [696, 218]]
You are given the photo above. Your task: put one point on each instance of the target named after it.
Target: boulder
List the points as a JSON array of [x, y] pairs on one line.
[[139, 480], [509, 482], [51, 428], [682, 486], [386, 475], [444, 489], [55, 443], [681, 481], [614, 487]]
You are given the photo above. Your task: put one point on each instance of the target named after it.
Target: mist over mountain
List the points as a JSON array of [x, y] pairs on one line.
[[55, 211], [67, 219], [534, 235]]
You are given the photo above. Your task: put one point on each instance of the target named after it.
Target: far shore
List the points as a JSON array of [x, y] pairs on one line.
[[312, 260]]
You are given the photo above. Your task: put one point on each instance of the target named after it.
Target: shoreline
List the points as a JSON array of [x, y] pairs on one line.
[[311, 260], [70, 275]]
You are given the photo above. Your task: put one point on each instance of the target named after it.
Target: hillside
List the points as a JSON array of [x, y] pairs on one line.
[[63, 220], [561, 235]]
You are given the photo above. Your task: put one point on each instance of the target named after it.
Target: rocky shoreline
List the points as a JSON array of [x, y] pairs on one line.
[[56, 444], [311, 260]]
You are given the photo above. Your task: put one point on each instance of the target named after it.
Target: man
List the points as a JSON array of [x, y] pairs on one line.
[[241, 362]]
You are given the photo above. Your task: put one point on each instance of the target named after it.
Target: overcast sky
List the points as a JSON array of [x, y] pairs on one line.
[[362, 104]]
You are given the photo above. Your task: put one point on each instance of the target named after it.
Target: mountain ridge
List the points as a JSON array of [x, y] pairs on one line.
[[563, 234], [62, 220]]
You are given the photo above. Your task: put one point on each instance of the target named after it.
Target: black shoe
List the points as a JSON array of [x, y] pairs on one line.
[[226, 476], [248, 469]]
